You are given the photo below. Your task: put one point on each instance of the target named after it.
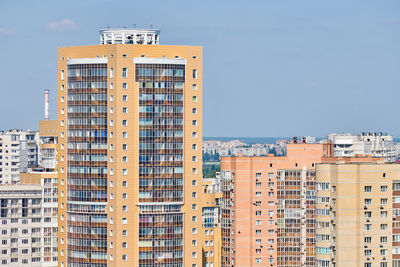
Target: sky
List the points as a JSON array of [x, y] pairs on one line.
[[271, 68]]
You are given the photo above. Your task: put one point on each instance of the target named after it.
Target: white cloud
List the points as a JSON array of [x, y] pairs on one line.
[[64, 25], [4, 31], [390, 20]]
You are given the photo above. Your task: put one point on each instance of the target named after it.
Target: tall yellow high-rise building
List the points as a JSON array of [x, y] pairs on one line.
[[130, 167]]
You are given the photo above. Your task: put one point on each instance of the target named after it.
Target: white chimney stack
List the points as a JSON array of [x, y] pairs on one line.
[[46, 104]]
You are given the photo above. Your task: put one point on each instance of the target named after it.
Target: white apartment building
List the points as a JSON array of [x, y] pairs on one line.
[[28, 222], [374, 144], [18, 151]]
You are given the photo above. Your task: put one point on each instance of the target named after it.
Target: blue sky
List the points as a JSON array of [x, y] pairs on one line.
[[271, 68]]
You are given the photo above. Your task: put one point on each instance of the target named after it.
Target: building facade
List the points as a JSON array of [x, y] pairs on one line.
[[357, 213], [18, 151], [130, 132], [29, 221], [267, 207]]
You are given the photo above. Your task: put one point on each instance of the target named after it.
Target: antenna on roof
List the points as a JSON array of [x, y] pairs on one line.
[[151, 26], [134, 25]]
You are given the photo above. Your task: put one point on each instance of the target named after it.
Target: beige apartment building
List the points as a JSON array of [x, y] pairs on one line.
[[357, 213], [130, 167]]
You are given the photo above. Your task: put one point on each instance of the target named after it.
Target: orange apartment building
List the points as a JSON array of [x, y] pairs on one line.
[[268, 207], [130, 167]]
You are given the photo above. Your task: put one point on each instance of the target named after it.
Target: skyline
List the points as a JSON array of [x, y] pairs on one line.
[[343, 54]]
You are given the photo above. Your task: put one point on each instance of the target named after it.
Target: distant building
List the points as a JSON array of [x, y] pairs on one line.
[[18, 152], [29, 209], [374, 144]]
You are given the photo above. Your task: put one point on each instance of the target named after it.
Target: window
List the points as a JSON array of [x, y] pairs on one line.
[[194, 122], [367, 239], [383, 239], [194, 146], [125, 196], [124, 122], [383, 226], [124, 183], [194, 230], [258, 194], [194, 98], [384, 188], [124, 73], [124, 86], [368, 188], [62, 75], [258, 222], [194, 74], [258, 212], [124, 110], [194, 219], [384, 214], [111, 72], [124, 172], [194, 194], [124, 98], [367, 201], [194, 110], [124, 220], [194, 255], [194, 135], [258, 185], [194, 87], [384, 201], [194, 206], [124, 208], [367, 227], [124, 147], [124, 257], [194, 158], [125, 135], [258, 260], [194, 182]]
